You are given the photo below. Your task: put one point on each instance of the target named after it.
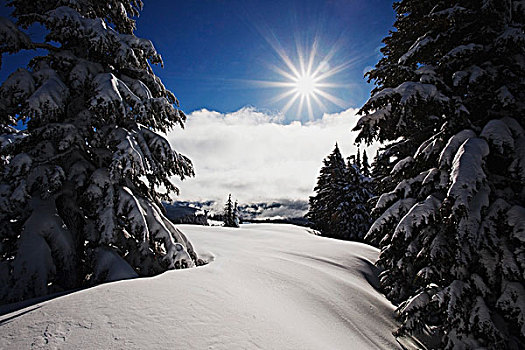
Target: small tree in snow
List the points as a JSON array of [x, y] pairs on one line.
[[78, 188], [450, 220], [230, 216]]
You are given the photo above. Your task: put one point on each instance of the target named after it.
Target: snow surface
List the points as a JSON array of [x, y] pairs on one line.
[[266, 286]]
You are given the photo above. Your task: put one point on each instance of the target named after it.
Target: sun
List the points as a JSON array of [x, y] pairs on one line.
[[306, 80], [305, 85]]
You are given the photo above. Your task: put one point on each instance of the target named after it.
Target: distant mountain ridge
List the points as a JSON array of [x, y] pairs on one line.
[[281, 211]]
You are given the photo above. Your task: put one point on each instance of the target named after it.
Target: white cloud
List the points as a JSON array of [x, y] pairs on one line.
[[256, 157]]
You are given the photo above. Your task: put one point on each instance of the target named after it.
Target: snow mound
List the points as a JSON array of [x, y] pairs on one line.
[[268, 287]]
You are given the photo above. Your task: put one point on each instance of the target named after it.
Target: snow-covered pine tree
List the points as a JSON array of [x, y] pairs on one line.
[[79, 199], [450, 96], [230, 213], [338, 209], [354, 198], [324, 204]]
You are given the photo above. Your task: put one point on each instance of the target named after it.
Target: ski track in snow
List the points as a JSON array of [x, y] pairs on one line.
[[266, 287]]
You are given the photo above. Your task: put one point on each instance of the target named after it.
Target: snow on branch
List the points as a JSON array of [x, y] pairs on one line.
[[419, 44], [516, 220], [112, 97], [139, 46], [498, 135], [420, 214], [392, 214], [410, 91], [12, 39], [138, 87], [160, 112], [49, 100], [470, 75], [467, 171], [83, 73], [402, 165], [463, 50], [173, 240], [16, 89], [127, 50], [372, 119], [129, 208], [172, 162], [66, 135], [429, 147], [385, 199], [446, 156], [128, 158], [449, 12]]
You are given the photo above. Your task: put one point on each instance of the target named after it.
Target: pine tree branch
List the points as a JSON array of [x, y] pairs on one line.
[[44, 46]]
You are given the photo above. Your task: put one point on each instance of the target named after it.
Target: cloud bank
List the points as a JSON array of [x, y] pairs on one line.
[[255, 156]]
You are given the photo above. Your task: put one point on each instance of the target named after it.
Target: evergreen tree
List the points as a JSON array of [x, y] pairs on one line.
[[324, 204], [358, 159], [379, 171], [450, 96], [354, 198], [78, 187], [230, 213], [365, 166], [338, 209]]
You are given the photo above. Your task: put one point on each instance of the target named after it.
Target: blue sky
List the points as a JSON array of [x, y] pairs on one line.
[[214, 49], [216, 53]]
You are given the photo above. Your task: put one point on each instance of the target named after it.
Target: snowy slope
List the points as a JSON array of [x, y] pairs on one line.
[[268, 286]]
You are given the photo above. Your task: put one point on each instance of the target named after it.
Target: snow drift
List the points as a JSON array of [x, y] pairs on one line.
[[267, 286]]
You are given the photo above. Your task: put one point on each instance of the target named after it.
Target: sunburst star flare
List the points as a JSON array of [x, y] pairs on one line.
[[306, 82]]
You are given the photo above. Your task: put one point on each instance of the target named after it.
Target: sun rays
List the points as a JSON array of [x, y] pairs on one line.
[[306, 80]]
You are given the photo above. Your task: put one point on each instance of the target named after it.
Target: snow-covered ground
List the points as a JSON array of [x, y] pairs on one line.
[[267, 286]]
